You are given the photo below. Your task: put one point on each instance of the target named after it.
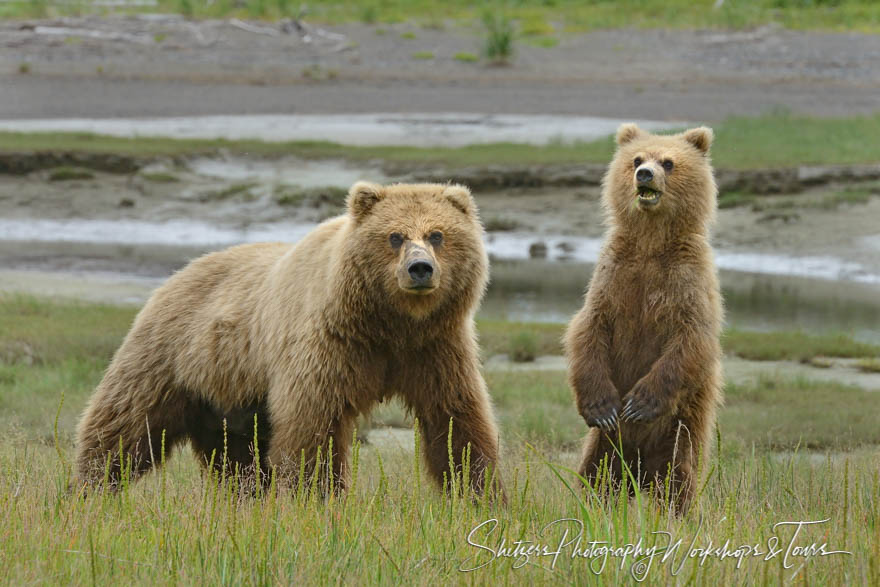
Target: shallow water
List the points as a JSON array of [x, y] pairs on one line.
[[444, 129], [503, 246], [546, 291], [521, 289]]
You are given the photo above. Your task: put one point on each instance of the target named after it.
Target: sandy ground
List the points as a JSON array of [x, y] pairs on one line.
[[161, 66]]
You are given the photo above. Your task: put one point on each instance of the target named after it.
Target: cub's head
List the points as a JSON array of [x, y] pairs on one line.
[[668, 177], [419, 246]]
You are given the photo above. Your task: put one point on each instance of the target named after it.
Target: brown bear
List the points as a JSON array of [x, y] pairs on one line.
[[644, 353], [373, 304]]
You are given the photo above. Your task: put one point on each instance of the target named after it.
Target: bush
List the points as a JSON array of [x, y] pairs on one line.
[[523, 347], [499, 37]]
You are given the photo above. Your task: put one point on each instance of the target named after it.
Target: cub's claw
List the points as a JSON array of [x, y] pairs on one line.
[[637, 411]]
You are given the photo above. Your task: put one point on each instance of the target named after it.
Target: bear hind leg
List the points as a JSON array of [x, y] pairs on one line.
[[120, 435]]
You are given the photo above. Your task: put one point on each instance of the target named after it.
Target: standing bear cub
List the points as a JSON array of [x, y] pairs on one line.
[[373, 304], [644, 353]]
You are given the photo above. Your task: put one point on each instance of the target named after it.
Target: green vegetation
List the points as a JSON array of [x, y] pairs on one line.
[[498, 43], [774, 140], [496, 337], [238, 189], [69, 174], [466, 57], [523, 347], [869, 365], [286, 195], [537, 15], [545, 42], [735, 199], [408, 35], [423, 55], [798, 346], [394, 526]]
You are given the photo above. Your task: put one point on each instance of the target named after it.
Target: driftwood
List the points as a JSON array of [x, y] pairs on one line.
[[252, 28], [63, 31]]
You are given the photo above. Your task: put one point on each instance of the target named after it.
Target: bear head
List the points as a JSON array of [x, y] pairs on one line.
[[661, 178], [418, 246]]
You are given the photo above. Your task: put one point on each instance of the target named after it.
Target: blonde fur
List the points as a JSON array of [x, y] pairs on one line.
[[306, 337]]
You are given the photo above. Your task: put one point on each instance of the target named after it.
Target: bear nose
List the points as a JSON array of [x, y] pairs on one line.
[[420, 271], [644, 175]]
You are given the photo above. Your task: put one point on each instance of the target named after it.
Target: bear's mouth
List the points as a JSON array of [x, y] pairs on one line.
[[421, 289], [648, 197]]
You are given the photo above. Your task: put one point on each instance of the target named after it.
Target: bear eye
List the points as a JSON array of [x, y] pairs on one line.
[[637, 161], [667, 165], [436, 238], [396, 239]]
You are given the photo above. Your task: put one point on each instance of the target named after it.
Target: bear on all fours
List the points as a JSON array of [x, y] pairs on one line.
[[373, 304], [644, 353]]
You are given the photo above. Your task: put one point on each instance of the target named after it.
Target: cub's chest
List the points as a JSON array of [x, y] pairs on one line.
[[640, 290]]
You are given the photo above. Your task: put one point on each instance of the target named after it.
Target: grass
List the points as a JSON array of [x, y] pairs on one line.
[[499, 37], [523, 347], [798, 346], [869, 365], [774, 140], [334, 197], [735, 199], [393, 526], [233, 190], [69, 174], [466, 57], [537, 15], [423, 55]]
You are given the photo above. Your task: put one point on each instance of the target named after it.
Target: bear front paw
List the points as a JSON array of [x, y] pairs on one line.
[[641, 405], [602, 413]]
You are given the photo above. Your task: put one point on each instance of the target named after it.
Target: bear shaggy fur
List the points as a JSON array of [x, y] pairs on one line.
[[644, 353], [376, 303]]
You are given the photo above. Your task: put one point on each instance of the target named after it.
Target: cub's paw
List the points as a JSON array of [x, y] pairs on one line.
[[602, 413], [641, 405]]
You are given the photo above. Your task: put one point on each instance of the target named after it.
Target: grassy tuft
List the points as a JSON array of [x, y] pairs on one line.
[[498, 44], [69, 174], [523, 347], [869, 365], [160, 177], [466, 57]]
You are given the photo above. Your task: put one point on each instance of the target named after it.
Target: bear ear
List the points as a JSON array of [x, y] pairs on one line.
[[460, 197], [362, 197], [627, 132], [700, 137]]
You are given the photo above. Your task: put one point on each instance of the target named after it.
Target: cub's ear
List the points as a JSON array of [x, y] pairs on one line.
[[627, 132], [362, 197], [460, 197], [700, 137]]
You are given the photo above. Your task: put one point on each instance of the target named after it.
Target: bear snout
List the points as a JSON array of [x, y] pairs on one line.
[[644, 175], [420, 271]]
